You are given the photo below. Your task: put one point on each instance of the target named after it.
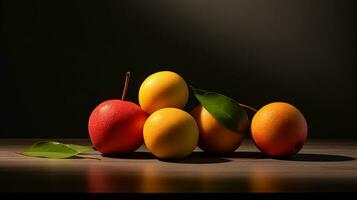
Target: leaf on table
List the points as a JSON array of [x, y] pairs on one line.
[[225, 109], [52, 149], [80, 148]]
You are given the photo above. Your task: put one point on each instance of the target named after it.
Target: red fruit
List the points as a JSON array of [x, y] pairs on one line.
[[116, 126]]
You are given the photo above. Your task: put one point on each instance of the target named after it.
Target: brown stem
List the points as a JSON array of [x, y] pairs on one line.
[[248, 107], [127, 78]]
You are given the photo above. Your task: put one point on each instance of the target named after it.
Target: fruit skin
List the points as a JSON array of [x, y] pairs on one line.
[[214, 137], [115, 127], [170, 133], [163, 89], [279, 129]]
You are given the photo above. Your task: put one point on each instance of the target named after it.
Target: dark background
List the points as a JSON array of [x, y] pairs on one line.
[[59, 59]]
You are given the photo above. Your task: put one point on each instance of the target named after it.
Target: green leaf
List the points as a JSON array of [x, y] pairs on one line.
[[80, 148], [52, 149], [226, 110]]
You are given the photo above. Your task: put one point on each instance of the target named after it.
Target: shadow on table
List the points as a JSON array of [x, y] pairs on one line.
[[307, 157], [134, 155], [200, 158], [85, 157], [246, 155], [194, 158], [312, 157], [204, 158]]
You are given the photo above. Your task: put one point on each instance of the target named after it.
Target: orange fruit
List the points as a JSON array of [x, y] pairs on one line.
[[214, 137], [279, 129], [161, 90], [170, 133]]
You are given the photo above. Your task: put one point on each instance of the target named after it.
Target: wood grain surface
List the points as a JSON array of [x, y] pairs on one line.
[[322, 165]]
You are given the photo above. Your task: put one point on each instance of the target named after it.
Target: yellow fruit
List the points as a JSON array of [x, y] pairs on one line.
[[170, 133], [163, 89], [279, 129], [214, 137]]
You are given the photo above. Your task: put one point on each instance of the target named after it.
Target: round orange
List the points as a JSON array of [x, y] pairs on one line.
[[279, 129], [162, 90], [214, 137], [170, 133]]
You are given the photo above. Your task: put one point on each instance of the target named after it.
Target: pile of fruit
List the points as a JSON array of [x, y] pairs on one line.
[[218, 125]]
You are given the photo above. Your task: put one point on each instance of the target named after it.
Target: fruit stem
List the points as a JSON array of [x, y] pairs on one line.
[[127, 78], [248, 107]]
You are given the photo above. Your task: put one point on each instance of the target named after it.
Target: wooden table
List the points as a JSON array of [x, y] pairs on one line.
[[321, 166]]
